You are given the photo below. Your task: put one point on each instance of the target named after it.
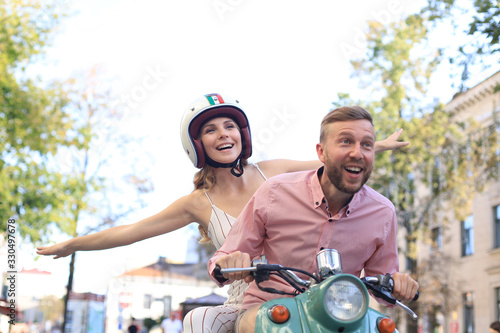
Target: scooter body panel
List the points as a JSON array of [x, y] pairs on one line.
[[308, 314]]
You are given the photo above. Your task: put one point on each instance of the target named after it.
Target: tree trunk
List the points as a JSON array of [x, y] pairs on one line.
[[69, 288]]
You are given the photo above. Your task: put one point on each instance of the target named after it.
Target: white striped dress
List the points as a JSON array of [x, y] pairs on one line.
[[218, 319]]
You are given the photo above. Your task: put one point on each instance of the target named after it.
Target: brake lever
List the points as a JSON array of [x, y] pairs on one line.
[[382, 287], [407, 309]]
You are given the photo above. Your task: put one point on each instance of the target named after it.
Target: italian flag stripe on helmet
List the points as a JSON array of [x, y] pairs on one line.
[[214, 99]]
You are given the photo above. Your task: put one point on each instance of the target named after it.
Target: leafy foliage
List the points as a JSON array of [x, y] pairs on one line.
[[479, 23], [487, 23], [149, 323], [49, 133], [34, 121]]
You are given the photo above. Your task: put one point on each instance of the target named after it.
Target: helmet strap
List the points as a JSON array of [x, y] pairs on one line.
[[236, 167]]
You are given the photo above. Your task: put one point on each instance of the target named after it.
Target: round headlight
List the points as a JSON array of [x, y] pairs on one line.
[[345, 300]]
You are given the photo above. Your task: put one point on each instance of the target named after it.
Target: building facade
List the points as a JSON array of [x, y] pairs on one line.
[[470, 248], [85, 313], [154, 291]]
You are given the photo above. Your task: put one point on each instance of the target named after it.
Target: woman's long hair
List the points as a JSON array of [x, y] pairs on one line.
[[205, 180]]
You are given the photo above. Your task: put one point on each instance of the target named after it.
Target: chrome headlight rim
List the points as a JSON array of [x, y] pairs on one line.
[[354, 285]]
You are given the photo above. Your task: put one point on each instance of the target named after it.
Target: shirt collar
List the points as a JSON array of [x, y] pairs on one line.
[[317, 192], [319, 196]]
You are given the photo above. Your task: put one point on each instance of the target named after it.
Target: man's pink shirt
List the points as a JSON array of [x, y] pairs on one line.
[[287, 219]]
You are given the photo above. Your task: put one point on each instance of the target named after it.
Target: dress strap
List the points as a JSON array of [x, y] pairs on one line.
[[260, 171], [208, 197]]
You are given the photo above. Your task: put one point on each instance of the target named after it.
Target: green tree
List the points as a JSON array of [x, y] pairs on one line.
[[486, 22], [478, 23], [446, 157], [149, 323], [53, 138], [484, 19], [34, 121]]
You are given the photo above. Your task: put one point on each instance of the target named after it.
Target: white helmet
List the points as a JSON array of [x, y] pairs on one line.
[[203, 109]]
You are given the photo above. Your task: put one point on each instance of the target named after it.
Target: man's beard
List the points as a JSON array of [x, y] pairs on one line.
[[334, 173]]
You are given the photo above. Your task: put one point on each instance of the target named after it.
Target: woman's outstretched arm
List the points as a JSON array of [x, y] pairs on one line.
[[175, 216]]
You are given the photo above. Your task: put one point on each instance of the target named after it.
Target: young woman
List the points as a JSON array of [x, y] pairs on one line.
[[216, 137]]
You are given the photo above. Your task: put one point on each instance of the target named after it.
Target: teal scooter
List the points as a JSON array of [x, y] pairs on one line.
[[329, 301]]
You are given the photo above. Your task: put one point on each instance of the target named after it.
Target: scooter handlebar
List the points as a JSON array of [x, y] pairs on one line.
[[218, 274], [382, 286]]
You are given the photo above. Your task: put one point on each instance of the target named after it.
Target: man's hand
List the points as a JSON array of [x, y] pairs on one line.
[[405, 287], [236, 260]]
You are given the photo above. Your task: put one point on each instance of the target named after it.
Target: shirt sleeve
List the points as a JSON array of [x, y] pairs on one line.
[[385, 259], [247, 234]]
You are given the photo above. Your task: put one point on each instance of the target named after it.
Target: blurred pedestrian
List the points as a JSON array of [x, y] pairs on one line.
[[172, 324], [133, 327], [495, 327]]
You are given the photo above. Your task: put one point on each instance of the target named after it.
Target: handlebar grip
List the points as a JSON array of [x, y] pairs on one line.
[[416, 297], [218, 274]]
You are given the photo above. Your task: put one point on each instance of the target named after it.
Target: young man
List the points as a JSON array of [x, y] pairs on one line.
[[292, 217]]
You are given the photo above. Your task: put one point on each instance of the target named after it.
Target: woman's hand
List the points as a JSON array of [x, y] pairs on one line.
[[391, 142], [58, 250]]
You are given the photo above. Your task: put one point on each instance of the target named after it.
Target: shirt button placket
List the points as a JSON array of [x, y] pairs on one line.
[[329, 215]]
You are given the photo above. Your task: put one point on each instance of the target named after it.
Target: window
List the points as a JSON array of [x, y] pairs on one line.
[[167, 300], [496, 226], [148, 299], [69, 321], [497, 293], [411, 263], [497, 130], [468, 236], [436, 176], [437, 238], [468, 301]]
